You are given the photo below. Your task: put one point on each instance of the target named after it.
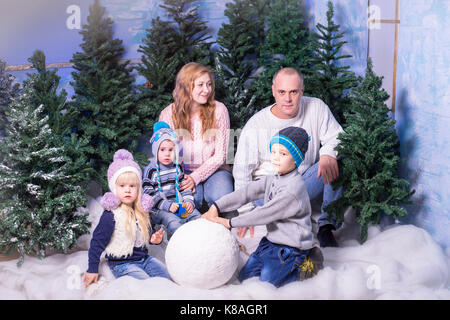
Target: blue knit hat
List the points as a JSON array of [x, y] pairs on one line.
[[295, 139], [162, 132]]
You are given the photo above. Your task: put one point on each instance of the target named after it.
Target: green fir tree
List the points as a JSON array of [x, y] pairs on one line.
[[238, 42], [287, 44], [40, 190], [170, 44], [370, 151], [160, 59], [8, 91], [330, 81], [192, 39], [45, 84], [106, 113], [44, 90]]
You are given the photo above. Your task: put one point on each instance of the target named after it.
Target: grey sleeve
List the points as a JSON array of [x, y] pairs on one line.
[[254, 190], [282, 206]]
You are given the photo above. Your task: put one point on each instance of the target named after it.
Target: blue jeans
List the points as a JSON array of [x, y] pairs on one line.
[[316, 189], [274, 263], [171, 221], [216, 186], [142, 269]]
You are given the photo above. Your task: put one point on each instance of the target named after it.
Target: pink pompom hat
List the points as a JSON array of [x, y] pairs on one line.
[[123, 161]]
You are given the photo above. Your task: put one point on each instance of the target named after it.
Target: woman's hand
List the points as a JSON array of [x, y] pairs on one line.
[[90, 278], [157, 237], [187, 183]]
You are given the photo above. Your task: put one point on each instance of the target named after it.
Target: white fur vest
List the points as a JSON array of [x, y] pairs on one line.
[[122, 241]]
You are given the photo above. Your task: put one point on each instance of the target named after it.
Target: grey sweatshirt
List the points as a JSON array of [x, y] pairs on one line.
[[286, 211]]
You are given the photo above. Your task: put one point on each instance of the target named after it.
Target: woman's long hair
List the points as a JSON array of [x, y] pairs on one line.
[[137, 212], [182, 95]]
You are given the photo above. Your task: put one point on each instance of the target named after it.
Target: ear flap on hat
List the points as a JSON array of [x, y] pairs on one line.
[[147, 202], [110, 201]]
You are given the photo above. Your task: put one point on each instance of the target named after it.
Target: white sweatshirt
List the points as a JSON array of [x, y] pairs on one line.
[[252, 159]]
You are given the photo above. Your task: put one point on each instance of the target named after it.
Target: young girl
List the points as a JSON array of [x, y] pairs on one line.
[[124, 230], [162, 179]]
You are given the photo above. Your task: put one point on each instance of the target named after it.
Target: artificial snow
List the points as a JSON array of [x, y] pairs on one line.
[[399, 262]]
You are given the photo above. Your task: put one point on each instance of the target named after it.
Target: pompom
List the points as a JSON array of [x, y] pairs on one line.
[[110, 201], [147, 202], [159, 125], [123, 154]]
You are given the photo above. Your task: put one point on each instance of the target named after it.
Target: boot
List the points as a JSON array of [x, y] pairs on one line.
[[326, 237]]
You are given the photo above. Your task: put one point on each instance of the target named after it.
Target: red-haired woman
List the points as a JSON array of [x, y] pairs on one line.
[[203, 127]]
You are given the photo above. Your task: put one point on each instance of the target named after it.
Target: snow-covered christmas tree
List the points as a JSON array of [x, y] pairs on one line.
[[8, 91], [39, 190]]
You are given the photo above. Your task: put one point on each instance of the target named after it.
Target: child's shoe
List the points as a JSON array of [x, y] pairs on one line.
[[312, 264]]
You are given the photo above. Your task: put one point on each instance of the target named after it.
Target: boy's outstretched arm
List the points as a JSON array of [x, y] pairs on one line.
[[219, 220]]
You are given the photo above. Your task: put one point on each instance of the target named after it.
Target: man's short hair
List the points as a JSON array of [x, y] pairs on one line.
[[288, 71]]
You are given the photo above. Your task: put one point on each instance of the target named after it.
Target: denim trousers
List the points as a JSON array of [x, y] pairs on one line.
[[216, 186], [171, 221], [274, 263], [142, 269], [316, 189]]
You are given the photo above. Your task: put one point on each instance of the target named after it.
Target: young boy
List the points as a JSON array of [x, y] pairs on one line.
[[286, 253], [162, 179]]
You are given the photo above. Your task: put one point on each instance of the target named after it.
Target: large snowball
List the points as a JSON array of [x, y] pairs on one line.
[[202, 254]]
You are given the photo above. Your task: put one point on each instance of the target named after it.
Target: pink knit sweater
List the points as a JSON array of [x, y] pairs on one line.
[[204, 157]]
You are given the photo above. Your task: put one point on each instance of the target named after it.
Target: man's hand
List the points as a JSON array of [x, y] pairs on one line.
[[328, 169], [243, 230]]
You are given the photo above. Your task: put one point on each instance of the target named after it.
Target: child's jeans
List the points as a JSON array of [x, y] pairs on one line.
[[142, 269], [274, 263], [171, 221]]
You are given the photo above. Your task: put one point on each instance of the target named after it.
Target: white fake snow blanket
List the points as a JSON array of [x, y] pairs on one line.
[[401, 262]]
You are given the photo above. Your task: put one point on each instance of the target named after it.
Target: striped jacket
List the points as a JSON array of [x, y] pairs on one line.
[[167, 176]]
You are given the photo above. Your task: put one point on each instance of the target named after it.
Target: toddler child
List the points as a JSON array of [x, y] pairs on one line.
[[124, 230], [286, 253], [162, 179]]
